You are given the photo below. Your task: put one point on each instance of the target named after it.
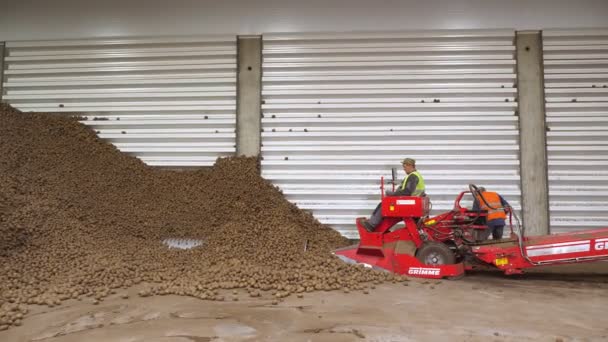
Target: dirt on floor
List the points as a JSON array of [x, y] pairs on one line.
[[480, 307]]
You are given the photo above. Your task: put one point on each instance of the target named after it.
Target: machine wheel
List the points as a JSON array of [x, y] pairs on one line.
[[435, 253]]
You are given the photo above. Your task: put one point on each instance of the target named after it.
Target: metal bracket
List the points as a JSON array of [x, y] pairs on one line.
[[2, 54]]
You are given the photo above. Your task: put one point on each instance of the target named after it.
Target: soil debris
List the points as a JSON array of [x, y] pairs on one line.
[[79, 219]]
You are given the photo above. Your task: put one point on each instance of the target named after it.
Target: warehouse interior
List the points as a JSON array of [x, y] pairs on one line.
[[203, 171]]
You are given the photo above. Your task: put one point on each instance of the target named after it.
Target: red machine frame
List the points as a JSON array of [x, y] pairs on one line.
[[397, 248]]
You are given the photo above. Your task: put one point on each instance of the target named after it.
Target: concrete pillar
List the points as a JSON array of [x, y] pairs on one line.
[[2, 52], [532, 132], [249, 93]]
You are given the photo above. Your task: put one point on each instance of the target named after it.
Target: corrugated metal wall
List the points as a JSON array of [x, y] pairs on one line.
[[170, 101], [576, 91], [339, 110]]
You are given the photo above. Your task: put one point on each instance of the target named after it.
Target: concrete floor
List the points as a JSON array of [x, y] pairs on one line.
[[480, 307]]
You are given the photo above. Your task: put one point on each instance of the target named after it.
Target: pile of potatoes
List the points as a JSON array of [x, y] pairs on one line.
[[81, 221]]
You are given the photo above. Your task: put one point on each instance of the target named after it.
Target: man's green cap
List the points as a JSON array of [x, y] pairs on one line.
[[409, 161]]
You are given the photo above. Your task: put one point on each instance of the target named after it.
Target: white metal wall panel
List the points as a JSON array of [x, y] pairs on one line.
[[170, 101], [576, 91], [339, 110]]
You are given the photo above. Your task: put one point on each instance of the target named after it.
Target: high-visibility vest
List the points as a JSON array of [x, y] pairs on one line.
[[493, 199], [419, 187]]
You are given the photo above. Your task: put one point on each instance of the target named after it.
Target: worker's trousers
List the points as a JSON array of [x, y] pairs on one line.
[[376, 216], [497, 232]]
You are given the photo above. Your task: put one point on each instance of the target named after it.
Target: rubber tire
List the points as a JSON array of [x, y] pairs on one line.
[[438, 248]]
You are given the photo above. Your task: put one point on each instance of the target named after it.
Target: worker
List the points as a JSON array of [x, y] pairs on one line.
[[496, 206], [412, 185]]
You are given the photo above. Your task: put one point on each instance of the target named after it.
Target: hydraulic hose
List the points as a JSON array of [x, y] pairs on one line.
[[520, 238]]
